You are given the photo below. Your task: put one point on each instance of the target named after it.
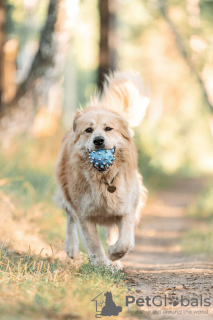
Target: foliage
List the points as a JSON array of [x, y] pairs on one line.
[[25, 21], [175, 133]]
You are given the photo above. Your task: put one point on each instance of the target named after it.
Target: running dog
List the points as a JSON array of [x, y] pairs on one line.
[[96, 170]]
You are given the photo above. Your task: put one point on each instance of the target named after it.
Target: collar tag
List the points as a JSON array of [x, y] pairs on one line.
[[111, 189]]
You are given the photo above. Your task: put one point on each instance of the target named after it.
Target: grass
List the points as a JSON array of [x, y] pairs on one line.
[[35, 288], [203, 207], [34, 284], [199, 240]]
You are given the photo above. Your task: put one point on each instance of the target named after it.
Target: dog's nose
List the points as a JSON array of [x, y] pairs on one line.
[[98, 141]]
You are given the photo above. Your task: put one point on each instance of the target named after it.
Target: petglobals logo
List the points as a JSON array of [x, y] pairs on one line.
[[163, 301], [105, 306]]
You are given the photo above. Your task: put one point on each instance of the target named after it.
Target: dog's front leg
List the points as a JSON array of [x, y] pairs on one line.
[[92, 242], [71, 239], [126, 238], [113, 234]]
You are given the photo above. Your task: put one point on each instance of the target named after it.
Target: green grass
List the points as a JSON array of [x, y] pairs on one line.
[[40, 287], [35, 288], [29, 167], [28, 170], [199, 240], [203, 207]]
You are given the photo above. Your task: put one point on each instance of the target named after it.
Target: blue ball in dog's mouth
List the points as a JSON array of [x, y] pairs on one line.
[[102, 158]]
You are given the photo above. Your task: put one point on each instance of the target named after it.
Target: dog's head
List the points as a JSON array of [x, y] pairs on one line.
[[105, 126], [97, 128]]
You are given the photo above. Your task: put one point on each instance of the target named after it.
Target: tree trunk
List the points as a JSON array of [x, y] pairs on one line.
[[108, 39], [44, 58], [2, 40], [46, 71], [42, 89]]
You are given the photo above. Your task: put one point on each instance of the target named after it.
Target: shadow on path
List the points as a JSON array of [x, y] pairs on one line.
[[157, 265]]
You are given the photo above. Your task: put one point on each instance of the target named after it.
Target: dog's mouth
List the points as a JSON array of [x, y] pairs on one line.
[[102, 159], [102, 170]]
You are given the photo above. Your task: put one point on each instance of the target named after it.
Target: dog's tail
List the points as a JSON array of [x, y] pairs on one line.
[[124, 93]]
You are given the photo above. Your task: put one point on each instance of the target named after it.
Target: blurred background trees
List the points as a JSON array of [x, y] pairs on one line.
[[108, 38], [54, 54]]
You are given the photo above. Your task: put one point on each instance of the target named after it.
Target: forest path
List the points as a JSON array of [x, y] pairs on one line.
[[158, 267]]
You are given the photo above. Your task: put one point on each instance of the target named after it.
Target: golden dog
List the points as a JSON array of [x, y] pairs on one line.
[[83, 191]]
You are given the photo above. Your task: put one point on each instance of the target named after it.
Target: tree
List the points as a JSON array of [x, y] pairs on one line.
[[44, 81], [108, 38], [183, 50]]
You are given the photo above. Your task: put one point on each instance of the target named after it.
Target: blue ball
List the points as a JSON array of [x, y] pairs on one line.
[[102, 158]]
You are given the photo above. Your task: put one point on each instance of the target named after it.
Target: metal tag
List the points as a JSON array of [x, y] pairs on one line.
[[111, 189]]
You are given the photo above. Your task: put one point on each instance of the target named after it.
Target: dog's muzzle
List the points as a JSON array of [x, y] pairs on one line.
[[102, 158]]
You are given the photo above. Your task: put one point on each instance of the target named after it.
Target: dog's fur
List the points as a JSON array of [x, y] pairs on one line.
[[82, 192]]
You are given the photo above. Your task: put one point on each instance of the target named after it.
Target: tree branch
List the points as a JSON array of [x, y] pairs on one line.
[[183, 52]]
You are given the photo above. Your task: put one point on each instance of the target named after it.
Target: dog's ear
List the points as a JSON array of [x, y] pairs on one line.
[[77, 116], [124, 128]]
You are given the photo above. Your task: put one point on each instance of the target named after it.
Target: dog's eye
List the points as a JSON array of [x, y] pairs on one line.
[[108, 129], [89, 130]]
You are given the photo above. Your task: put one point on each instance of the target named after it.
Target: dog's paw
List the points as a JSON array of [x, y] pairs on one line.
[[117, 265], [99, 261], [71, 249], [117, 251]]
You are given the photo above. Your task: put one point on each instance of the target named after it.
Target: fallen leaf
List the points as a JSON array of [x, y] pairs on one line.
[[179, 287]]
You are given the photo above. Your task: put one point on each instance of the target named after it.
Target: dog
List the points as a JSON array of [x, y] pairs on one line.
[[110, 195]]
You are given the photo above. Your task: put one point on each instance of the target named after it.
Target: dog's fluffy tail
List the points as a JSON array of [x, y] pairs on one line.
[[124, 93]]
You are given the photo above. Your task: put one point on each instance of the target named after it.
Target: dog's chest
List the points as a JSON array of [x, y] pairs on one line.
[[100, 202]]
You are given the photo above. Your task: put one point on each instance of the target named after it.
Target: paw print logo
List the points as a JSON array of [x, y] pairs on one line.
[[174, 301]]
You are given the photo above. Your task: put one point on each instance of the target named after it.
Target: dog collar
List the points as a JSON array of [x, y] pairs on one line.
[[110, 187], [102, 158]]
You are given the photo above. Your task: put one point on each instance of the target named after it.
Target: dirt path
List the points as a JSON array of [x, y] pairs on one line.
[[157, 266]]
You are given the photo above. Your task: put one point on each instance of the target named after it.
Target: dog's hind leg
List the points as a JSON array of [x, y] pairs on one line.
[[92, 242], [71, 239]]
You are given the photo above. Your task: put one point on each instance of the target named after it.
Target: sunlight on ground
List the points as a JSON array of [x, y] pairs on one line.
[[34, 283], [31, 224]]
